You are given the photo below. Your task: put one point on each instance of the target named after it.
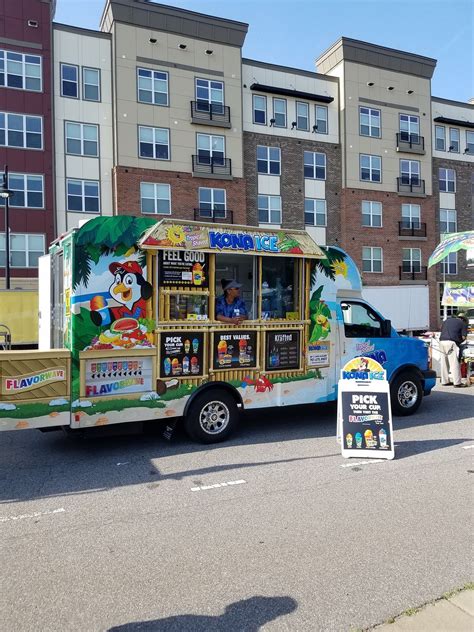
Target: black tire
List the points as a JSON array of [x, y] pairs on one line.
[[212, 416], [406, 394]]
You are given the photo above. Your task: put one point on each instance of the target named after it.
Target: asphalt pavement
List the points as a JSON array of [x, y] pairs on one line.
[[272, 530]]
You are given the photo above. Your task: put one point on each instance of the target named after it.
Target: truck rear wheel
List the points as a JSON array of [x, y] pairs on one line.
[[212, 416], [406, 394]]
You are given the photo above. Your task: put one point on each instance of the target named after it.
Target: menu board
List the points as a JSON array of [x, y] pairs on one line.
[[118, 376], [181, 354], [182, 268], [366, 422], [235, 350], [282, 350]]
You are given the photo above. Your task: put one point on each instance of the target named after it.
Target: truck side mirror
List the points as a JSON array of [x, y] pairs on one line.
[[386, 329]]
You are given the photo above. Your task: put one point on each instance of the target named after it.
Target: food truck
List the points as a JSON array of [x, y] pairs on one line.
[[129, 331]]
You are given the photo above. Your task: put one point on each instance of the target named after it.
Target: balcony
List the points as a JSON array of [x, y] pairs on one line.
[[212, 167], [410, 272], [216, 114], [214, 215], [411, 186], [410, 143], [411, 229]]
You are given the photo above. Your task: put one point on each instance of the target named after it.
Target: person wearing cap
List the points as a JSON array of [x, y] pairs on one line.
[[230, 308], [453, 334]]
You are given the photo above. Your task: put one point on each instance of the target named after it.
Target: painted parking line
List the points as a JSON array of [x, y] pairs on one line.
[[216, 485], [36, 514], [468, 447], [363, 462]]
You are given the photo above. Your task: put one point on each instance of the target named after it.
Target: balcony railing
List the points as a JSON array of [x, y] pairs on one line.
[[413, 273], [410, 143], [205, 113], [411, 186], [411, 229], [214, 215], [217, 167]]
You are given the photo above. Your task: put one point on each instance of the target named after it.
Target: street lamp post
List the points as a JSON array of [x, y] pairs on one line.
[[6, 194]]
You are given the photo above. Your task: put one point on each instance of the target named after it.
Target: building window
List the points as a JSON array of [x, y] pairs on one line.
[[315, 213], [410, 172], [302, 116], [372, 214], [82, 139], [447, 180], [18, 130], [20, 71], [372, 259], [279, 112], [370, 168], [70, 81], [447, 220], [314, 165], [209, 93], [152, 86], [470, 143], [369, 122], [411, 260], [321, 117], [155, 198], [259, 109], [211, 149], [454, 140], [212, 203], [449, 265], [440, 138], [154, 142], [28, 190], [411, 216], [409, 128], [269, 209], [91, 84], [25, 250], [83, 196], [268, 160]]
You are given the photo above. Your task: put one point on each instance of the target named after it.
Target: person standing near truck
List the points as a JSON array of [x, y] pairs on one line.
[[453, 333], [230, 308]]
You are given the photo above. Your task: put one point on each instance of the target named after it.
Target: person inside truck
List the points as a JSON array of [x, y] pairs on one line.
[[230, 308]]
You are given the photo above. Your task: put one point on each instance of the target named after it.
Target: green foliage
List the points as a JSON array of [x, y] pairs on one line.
[[149, 323], [32, 410], [325, 265], [83, 329], [320, 315]]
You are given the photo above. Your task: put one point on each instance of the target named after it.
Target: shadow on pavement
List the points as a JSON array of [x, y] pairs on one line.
[[248, 615], [34, 465]]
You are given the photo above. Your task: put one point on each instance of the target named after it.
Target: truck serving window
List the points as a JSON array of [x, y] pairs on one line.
[[360, 321], [280, 288]]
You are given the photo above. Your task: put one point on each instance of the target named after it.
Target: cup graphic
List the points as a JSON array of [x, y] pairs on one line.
[[167, 366], [369, 438], [175, 366], [185, 364], [242, 351], [221, 351], [358, 439], [195, 345], [349, 440], [382, 438], [187, 346], [194, 365]]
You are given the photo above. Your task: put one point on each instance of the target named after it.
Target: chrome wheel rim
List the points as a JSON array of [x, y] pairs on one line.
[[407, 394], [214, 417]]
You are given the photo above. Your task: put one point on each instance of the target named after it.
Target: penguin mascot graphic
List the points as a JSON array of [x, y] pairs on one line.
[[129, 288]]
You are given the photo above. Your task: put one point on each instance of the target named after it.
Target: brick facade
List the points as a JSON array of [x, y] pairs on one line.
[[292, 180], [184, 192], [355, 237], [464, 210]]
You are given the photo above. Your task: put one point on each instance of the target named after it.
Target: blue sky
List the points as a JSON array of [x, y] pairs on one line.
[[294, 32]]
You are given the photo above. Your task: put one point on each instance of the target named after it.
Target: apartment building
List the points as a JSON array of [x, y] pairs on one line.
[[388, 210], [26, 139], [83, 125], [292, 153], [178, 112], [453, 180]]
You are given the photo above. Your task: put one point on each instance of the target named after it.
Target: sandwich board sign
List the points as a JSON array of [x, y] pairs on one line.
[[364, 415]]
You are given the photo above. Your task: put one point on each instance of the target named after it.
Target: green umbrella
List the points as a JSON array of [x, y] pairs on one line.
[[452, 243]]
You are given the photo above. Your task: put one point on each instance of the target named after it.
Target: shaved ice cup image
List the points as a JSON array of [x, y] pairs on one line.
[[369, 438], [358, 440], [383, 438], [349, 440]]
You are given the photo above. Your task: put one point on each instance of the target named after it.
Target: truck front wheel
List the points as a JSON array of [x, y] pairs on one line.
[[406, 393], [212, 416]]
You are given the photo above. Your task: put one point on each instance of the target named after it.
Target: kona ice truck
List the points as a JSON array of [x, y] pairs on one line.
[[128, 329]]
